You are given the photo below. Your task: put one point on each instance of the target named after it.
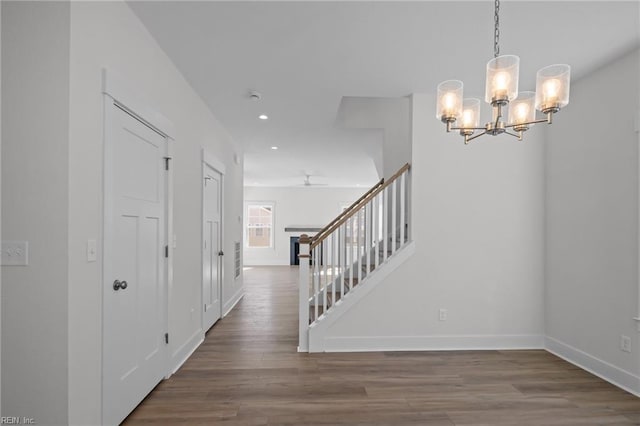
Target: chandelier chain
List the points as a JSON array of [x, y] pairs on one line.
[[496, 32]]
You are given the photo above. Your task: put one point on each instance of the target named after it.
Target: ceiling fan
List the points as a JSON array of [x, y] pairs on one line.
[[307, 181]]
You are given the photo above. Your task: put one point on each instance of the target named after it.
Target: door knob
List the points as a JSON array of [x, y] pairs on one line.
[[117, 285]]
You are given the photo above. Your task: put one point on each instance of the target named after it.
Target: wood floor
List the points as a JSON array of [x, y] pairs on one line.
[[247, 372]]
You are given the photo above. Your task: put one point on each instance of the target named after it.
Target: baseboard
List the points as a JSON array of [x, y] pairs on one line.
[[182, 354], [232, 302], [433, 343], [606, 371]]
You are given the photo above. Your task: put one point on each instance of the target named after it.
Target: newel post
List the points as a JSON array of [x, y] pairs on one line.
[[303, 308]]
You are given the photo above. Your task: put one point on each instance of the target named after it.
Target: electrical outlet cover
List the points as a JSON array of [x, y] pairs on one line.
[[15, 253], [625, 344]]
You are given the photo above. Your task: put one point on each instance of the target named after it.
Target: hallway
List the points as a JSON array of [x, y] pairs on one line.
[[247, 372]]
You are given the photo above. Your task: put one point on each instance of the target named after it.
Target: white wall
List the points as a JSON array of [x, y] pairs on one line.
[[53, 153], [479, 231], [108, 34], [592, 224], [314, 207], [392, 116], [0, 208], [35, 116]]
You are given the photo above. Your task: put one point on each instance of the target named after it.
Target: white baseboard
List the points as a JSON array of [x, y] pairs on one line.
[[432, 343], [606, 371], [232, 302], [182, 354]]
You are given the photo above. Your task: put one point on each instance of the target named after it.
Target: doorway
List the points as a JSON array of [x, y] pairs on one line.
[[212, 247], [135, 262]]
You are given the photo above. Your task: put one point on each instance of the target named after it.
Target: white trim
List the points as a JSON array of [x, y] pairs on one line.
[[126, 95], [317, 331], [184, 352], [432, 343], [606, 371], [233, 302], [213, 162], [210, 161], [110, 104], [1, 221], [637, 129]]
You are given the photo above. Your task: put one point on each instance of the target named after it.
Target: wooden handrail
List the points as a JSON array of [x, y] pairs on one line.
[[328, 230], [347, 210]]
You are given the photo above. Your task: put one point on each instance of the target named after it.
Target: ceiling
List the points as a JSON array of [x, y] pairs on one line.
[[303, 57]]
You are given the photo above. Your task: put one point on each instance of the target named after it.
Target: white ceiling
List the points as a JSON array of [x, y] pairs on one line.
[[303, 57]]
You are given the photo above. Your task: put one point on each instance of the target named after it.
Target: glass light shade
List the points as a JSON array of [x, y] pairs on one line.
[[552, 87], [522, 109], [502, 78], [470, 113], [449, 105]]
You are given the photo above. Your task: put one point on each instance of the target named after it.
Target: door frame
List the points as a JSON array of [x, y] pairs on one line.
[[118, 93], [209, 160]]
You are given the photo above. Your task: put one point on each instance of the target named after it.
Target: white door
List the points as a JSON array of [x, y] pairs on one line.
[[134, 300], [211, 247]]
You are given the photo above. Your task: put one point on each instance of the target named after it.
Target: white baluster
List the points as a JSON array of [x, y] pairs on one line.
[[385, 222], [303, 317], [326, 265], [376, 230], [394, 208], [402, 208], [367, 244], [343, 256], [360, 244], [317, 281], [350, 260], [333, 268]]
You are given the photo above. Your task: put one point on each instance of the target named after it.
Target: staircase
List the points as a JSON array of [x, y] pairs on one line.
[[341, 262]]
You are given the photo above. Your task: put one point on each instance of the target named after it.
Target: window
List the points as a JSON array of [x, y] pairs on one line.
[[259, 232]]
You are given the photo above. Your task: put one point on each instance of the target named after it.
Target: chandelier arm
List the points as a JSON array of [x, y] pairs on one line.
[[467, 140], [514, 134], [468, 128], [542, 120]]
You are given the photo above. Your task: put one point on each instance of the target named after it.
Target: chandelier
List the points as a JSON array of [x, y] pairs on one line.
[[501, 91]]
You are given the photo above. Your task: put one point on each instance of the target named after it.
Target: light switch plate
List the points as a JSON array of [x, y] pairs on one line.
[[15, 253], [92, 251]]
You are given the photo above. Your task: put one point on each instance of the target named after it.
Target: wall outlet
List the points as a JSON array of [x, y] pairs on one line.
[[442, 314], [625, 343], [15, 253]]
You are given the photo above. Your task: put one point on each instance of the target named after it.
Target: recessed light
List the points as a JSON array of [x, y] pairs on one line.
[[263, 117], [274, 147]]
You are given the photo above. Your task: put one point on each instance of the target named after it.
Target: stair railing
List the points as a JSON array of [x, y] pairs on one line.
[[346, 211], [350, 247]]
